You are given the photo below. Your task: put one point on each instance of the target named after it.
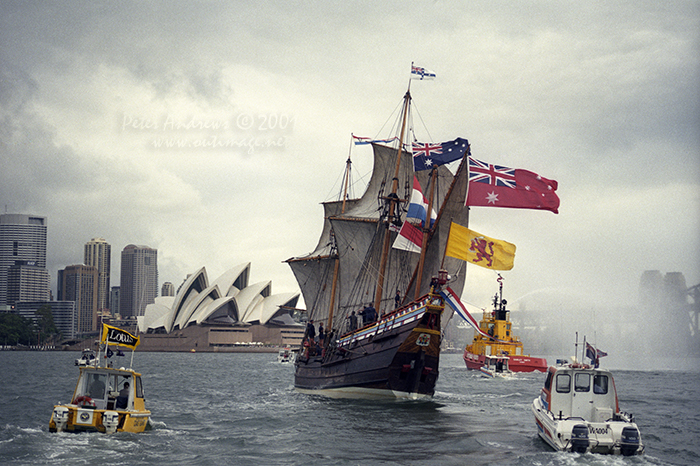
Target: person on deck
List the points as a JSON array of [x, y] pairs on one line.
[[397, 300], [123, 398], [353, 321], [97, 387], [321, 333], [311, 330], [370, 313]]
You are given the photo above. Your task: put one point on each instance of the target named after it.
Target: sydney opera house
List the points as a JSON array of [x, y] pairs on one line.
[[226, 313]]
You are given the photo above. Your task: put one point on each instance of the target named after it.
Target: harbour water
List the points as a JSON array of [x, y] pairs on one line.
[[241, 409]]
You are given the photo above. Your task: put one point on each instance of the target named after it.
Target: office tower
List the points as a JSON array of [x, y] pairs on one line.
[[78, 283], [139, 280], [98, 254], [168, 289], [27, 282], [22, 243]]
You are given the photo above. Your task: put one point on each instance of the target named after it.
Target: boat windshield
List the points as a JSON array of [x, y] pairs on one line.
[[600, 384], [583, 382], [108, 390], [96, 386], [563, 383]]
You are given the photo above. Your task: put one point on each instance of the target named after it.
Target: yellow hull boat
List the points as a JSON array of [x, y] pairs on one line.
[[105, 399]]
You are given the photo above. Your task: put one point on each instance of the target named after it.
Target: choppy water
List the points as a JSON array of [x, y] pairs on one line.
[[241, 409]]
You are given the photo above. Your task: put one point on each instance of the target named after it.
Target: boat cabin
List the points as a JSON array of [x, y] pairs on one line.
[[577, 390], [108, 388]]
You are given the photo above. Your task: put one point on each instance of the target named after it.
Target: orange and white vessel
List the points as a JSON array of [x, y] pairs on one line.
[[495, 338]]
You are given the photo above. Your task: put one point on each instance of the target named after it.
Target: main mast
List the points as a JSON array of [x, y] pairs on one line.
[[393, 200]]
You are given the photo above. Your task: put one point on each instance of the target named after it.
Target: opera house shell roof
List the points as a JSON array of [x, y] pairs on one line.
[[228, 300]]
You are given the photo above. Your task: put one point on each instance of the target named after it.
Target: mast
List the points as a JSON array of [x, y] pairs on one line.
[[440, 214], [336, 265], [426, 230], [392, 206]]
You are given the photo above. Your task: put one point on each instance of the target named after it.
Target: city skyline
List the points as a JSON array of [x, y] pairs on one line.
[[21, 265]]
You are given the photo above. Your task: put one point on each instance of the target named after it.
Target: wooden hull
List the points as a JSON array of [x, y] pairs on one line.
[[397, 357]]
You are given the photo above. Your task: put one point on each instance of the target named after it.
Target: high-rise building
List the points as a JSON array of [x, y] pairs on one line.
[[139, 280], [79, 283], [27, 282], [168, 289], [98, 254], [22, 243]]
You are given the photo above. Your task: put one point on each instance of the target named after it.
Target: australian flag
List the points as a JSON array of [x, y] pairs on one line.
[[427, 154]]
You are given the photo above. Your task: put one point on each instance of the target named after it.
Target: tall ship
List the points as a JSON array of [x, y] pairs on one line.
[[360, 268], [495, 338]]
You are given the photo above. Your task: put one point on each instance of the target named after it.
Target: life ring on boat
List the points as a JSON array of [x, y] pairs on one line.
[[84, 400]]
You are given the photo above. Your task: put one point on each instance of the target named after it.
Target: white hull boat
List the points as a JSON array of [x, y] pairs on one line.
[[578, 411]]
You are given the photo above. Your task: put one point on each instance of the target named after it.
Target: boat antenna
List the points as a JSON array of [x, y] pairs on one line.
[[500, 288]]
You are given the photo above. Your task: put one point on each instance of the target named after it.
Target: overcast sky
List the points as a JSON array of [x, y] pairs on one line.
[[601, 96]]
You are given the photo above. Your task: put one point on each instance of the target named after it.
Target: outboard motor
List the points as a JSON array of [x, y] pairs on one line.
[[579, 438], [60, 417], [110, 419], [629, 441]]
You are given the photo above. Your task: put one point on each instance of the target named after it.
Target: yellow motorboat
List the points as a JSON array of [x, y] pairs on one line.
[[105, 399]]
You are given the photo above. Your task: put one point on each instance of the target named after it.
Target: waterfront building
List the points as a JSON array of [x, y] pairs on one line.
[[226, 312], [65, 316]]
